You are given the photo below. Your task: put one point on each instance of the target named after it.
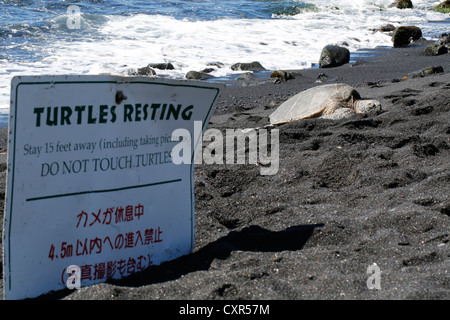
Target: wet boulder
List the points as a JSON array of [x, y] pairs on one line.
[[403, 35], [333, 56], [195, 75], [208, 70], [217, 64], [431, 70], [162, 66], [401, 4], [144, 71], [435, 50], [427, 72], [387, 28], [444, 39], [281, 76], [443, 7], [252, 66]]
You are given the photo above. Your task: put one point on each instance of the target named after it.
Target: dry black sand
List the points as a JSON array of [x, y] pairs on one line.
[[348, 194]]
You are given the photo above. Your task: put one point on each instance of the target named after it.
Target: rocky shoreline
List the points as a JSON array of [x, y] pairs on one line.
[[349, 194], [331, 56]]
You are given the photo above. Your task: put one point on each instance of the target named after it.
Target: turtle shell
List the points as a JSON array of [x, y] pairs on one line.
[[312, 102]]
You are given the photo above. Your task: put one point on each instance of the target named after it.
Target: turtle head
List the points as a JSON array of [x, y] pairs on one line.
[[365, 106]]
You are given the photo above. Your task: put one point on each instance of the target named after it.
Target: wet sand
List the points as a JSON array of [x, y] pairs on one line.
[[373, 189]]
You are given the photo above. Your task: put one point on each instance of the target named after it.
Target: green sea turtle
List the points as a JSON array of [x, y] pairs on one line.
[[330, 101]]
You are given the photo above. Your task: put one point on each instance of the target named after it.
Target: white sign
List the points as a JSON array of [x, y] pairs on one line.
[[91, 182]]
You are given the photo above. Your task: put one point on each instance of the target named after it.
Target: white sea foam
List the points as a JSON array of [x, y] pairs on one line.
[[287, 42]]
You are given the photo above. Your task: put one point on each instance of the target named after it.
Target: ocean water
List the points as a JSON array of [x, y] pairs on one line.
[[113, 36]]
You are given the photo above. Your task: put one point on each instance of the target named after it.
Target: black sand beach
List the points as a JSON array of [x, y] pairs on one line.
[[373, 189]]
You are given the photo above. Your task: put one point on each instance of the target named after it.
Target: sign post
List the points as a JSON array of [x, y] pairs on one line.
[[91, 183]]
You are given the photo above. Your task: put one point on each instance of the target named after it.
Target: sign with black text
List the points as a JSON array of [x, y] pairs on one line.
[[92, 191]]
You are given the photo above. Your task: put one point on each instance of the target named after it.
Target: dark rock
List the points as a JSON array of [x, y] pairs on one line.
[[401, 4], [443, 7], [145, 71], [208, 70], [387, 28], [403, 35], [334, 56], [281, 76], [162, 66], [435, 50], [195, 75], [431, 70], [216, 64], [444, 39], [427, 71], [321, 78], [252, 66]]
